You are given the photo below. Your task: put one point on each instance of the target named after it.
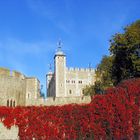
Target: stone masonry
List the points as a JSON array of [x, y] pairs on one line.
[[16, 88], [67, 82], [64, 85]]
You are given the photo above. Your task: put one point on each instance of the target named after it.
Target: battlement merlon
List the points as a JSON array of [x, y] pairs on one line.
[[4, 71], [18, 74], [8, 72], [13, 73], [80, 69]]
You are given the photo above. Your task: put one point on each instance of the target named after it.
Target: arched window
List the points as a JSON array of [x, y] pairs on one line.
[[8, 103], [11, 103], [80, 82], [14, 104], [29, 95], [70, 91]]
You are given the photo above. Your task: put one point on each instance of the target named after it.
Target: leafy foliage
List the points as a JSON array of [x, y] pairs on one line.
[[103, 77], [111, 116], [125, 48], [89, 90], [103, 73]]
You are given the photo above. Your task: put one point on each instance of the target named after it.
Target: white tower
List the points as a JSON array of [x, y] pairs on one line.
[[60, 72]]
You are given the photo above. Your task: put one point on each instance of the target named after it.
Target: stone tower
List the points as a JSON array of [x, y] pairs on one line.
[[50, 89], [49, 77], [60, 72]]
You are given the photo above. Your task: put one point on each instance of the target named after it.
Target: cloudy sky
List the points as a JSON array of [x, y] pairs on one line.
[[30, 30]]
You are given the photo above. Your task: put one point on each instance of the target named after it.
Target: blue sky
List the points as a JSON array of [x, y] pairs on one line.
[[30, 30]]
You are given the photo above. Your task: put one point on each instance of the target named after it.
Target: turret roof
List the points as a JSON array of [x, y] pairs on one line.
[[59, 50]]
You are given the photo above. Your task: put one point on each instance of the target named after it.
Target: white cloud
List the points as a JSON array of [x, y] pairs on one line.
[[16, 54], [14, 46]]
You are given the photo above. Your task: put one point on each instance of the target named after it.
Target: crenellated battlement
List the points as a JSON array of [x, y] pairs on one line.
[[4, 71], [80, 69], [8, 72], [18, 74]]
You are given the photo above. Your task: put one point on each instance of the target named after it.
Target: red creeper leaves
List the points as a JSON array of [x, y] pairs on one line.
[[115, 114]]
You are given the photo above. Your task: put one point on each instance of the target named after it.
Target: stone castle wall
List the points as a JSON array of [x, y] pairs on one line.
[[12, 133], [4, 71], [15, 88], [12, 87], [8, 134], [24, 91], [67, 82], [54, 101], [51, 86], [77, 79], [60, 78], [80, 69], [32, 88]]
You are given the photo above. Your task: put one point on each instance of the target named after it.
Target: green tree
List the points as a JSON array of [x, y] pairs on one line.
[[104, 73], [103, 77], [89, 90], [123, 63], [125, 50]]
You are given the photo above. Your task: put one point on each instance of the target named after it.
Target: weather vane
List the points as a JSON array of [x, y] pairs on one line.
[[59, 45], [50, 67]]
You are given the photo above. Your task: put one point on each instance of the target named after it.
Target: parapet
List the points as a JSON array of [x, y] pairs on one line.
[[33, 79], [80, 69], [4, 71], [17, 74], [7, 72]]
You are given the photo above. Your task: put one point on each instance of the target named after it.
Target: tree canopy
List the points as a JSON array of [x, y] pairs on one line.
[[123, 62], [125, 49], [103, 77], [103, 71]]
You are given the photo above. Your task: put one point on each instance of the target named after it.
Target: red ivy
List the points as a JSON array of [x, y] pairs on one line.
[[115, 114]]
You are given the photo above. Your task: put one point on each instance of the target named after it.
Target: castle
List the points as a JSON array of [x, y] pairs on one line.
[[67, 82], [16, 89], [64, 85]]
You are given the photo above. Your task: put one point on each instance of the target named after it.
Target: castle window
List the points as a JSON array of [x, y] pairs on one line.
[[80, 82], [14, 104], [73, 81], [70, 91], [68, 81], [11, 103], [29, 96], [8, 103]]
